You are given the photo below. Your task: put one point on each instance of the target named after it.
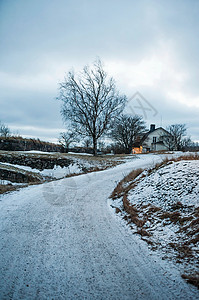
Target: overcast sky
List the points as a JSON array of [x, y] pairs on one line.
[[148, 46]]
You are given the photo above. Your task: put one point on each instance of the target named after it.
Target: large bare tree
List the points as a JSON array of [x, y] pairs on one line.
[[90, 101], [126, 130]]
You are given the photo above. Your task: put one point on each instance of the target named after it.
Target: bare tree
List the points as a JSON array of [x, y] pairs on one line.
[[87, 142], [126, 130], [90, 102], [178, 132], [187, 143], [66, 138], [167, 139], [101, 146], [4, 130]]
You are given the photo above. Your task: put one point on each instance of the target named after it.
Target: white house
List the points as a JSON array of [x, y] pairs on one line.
[[156, 139]]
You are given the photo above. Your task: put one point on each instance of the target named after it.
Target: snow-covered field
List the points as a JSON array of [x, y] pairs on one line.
[[27, 167], [165, 202], [178, 181], [56, 173], [60, 240]]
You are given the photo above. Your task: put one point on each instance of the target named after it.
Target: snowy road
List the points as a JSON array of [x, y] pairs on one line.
[[60, 240]]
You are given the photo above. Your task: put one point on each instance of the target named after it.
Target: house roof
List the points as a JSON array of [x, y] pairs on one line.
[[146, 135], [143, 137]]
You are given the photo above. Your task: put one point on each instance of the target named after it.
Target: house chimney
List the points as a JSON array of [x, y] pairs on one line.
[[152, 127]]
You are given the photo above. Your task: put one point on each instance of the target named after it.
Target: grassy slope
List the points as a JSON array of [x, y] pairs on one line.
[[144, 217]]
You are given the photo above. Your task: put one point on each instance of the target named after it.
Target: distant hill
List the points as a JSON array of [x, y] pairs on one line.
[[24, 144]]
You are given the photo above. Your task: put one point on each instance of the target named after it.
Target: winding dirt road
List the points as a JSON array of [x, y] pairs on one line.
[[60, 240]]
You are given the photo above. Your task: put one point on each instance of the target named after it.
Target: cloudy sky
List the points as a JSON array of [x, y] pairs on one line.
[[148, 46]]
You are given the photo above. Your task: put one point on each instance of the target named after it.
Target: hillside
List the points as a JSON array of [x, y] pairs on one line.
[[162, 206], [18, 143]]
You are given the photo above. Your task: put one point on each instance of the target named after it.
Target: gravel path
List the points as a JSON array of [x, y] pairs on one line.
[[60, 240]]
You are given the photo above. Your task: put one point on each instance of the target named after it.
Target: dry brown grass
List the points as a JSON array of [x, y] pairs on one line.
[[194, 222], [196, 212], [10, 188], [6, 188], [177, 205], [185, 220], [153, 209], [172, 216], [191, 233], [168, 161], [194, 156], [184, 251], [192, 278], [142, 232], [123, 186], [195, 240], [117, 210], [133, 216]]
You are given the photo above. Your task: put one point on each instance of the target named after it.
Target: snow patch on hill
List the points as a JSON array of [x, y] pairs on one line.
[[178, 181]]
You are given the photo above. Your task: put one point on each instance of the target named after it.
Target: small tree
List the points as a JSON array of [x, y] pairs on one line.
[[4, 131], [187, 143], [87, 142], [66, 138], [90, 102], [126, 130]]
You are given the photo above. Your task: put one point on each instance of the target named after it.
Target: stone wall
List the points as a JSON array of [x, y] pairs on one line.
[[39, 162]]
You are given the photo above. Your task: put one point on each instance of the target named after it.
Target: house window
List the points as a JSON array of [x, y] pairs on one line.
[[154, 139]]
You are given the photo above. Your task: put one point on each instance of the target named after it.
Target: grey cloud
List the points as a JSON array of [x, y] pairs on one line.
[[39, 37]]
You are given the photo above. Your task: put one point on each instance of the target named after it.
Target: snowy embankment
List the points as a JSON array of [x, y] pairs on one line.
[[59, 240], [162, 205]]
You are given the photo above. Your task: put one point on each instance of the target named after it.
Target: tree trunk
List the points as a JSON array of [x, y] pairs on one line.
[[94, 146]]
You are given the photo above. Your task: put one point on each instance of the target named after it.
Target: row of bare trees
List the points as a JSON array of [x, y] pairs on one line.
[[92, 108]]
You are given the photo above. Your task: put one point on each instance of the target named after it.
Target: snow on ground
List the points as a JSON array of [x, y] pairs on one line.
[[5, 182], [166, 211], [38, 152], [78, 164], [36, 166], [76, 153], [59, 240], [57, 172], [178, 181]]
